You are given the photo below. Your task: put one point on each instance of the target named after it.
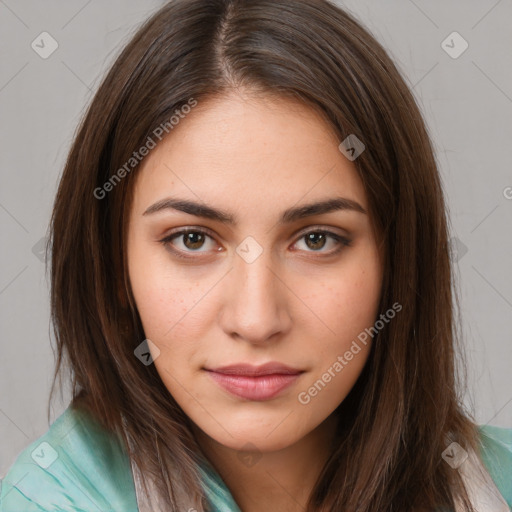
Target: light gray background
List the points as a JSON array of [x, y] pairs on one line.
[[467, 103]]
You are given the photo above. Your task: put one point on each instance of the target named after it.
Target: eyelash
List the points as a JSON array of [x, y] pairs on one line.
[[166, 242]]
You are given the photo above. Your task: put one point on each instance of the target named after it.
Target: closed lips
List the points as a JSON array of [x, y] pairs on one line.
[[256, 371]]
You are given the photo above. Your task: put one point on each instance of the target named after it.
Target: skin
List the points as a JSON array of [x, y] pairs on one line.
[[297, 303]]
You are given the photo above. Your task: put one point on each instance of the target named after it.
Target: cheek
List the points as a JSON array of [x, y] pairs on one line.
[[172, 323], [347, 300], [349, 308], [170, 319], [347, 303], [164, 296]]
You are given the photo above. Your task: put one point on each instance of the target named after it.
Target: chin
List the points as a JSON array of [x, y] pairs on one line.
[[251, 439], [259, 444]]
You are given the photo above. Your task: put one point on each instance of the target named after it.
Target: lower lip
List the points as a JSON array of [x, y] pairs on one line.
[[263, 387]]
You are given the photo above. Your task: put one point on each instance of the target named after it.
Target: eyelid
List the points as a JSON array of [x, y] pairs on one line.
[[183, 229], [321, 227]]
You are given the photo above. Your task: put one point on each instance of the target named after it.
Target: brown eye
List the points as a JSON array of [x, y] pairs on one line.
[[190, 241], [315, 241], [193, 240]]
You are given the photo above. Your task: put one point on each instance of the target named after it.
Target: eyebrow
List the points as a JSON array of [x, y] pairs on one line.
[[288, 216]]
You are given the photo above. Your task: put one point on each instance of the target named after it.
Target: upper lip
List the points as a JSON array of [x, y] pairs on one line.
[[271, 368]]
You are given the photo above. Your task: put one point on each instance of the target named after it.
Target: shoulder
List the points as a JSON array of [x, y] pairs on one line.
[[496, 454], [75, 465]]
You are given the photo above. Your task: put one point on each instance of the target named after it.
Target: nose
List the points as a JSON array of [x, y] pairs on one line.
[[255, 301]]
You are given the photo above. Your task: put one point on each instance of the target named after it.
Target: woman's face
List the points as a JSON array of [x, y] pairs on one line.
[[267, 286]]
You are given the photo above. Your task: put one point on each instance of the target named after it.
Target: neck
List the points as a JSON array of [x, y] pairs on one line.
[[277, 480]]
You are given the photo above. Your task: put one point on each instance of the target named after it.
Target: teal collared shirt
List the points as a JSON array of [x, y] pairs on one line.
[[78, 466]]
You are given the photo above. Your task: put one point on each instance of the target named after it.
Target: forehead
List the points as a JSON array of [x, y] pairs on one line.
[[249, 151]]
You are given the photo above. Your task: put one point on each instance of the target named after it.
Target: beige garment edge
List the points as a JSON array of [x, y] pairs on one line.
[[151, 501], [482, 491]]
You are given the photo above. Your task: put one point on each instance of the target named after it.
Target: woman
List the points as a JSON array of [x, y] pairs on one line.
[[251, 283]]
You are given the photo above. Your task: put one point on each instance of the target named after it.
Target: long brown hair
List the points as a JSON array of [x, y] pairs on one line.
[[405, 407]]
